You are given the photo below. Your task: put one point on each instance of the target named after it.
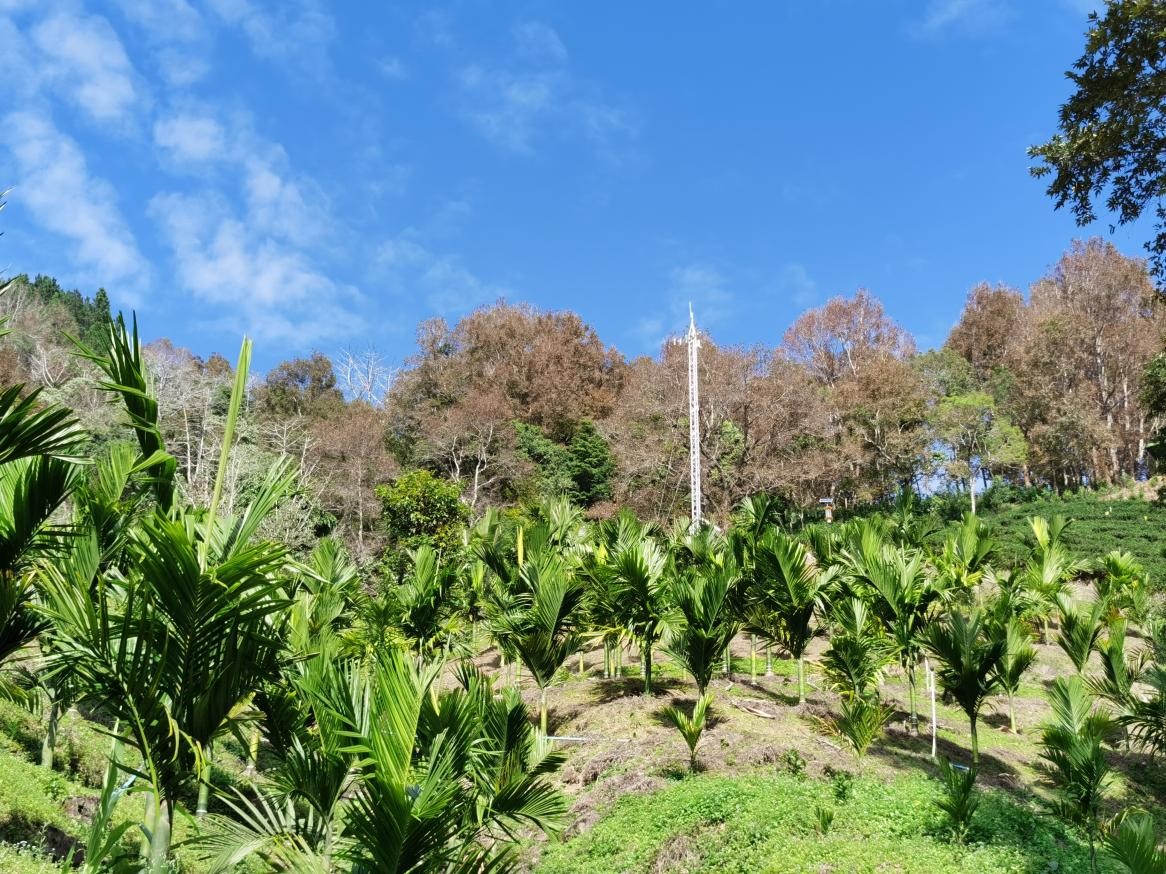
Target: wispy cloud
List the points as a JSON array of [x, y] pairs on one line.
[[697, 283], [392, 67], [795, 284], [448, 287], [177, 34], [943, 16], [296, 33], [515, 105], [254, 282], [57, 187], [81, 58]]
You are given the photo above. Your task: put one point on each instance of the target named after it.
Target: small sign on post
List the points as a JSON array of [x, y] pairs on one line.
[[828, 507]]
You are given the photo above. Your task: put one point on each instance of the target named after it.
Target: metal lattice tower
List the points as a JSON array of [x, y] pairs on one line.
[[693, 341]]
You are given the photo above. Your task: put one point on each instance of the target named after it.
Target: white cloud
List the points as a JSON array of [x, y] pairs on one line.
[[82, 57], [513, 106], [539, 42], [55, 184], [795, 283], [278, 201], [177, 34], [392, 68], [295, 32], [448, 286], [942, 16], [190, 138], [254, 282]]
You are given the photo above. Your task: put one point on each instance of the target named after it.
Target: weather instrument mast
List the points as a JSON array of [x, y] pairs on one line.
[[692, 339]]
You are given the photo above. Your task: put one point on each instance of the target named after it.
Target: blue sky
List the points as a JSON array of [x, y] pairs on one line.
[[324, 175]]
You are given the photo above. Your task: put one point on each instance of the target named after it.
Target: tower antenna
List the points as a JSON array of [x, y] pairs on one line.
[[693, 341]]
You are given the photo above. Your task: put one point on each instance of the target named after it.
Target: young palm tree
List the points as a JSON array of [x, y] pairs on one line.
[[39, 449], [965, 556], [1017, 657], [903, 598], [706, 623], [393, 776], [1120, 583], [1119, 671], [787, 590], [423, 604], [1071, 745], [640, 588], [1080, 630], [1146, 719], [969, 664], [691, 728], [544, 627], [1047, 571], [1132, 843], [859, 650]]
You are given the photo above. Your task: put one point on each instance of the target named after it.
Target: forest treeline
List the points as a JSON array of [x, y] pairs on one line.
[[1057, 387]]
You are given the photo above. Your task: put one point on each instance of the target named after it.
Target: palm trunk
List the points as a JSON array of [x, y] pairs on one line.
[[1011, 715], [204, 784], [158, 835], [48, 748], [975, 744], [647, 669], [802, 679], [914, 705], [542, 710], [580, 663], [768, 661], [253, 754], [753, 657]]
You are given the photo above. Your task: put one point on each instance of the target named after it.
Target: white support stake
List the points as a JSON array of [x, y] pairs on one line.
[[931, 692]]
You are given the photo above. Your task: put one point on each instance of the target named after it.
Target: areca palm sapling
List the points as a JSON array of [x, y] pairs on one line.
[[1017, 657], [858, 652], [1132, 843], [960, 797], [1120, 583], [1047, 570], [969, 664], [691, 728], [437, 782], [1119, 670], [1146, 718], [39, 454], [706, 621], [787, 590], [636, 575], [965, 556], [1080, 630], [1071, 745], [903, 597], [860, 721], [423, 604], [544, 626], [175, 642]]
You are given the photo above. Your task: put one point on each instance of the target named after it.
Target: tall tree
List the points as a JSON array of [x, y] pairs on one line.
[[1111, 145]]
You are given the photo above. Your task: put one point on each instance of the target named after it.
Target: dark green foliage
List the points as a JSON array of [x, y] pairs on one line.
[[90, 317], [969, 664], [1111, 144], [419, 509], [708, 624], [1132, 843], [1072, 747], [301, 387], [960, 798], [580, 469], [859, 722]]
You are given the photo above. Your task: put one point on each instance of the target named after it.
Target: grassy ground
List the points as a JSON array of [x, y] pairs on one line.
[[634, 808]]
